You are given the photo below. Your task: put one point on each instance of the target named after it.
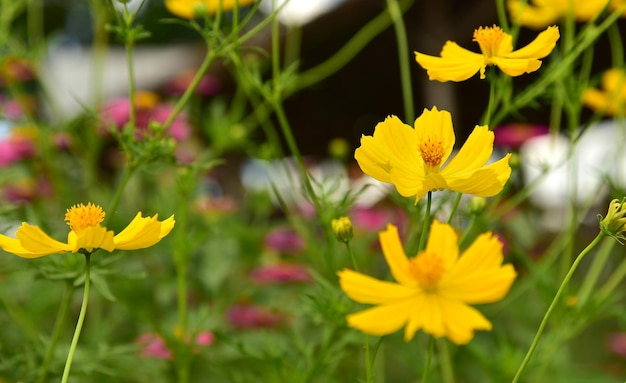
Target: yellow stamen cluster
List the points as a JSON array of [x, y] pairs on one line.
[[427, 268], [489, 39], [146, 100], [432, 153], [80, 217]]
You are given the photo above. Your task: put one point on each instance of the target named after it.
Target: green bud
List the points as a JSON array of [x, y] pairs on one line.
[[342, 227], [614, 224]]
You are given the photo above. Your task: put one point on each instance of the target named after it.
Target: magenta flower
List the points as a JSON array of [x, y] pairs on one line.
[[153, 346], [250, 316], [284, 241], [147, 109], [374, 219], [513, 135], [15, 70], [281, 273], [617, 344], [208, 86], [15, 148]]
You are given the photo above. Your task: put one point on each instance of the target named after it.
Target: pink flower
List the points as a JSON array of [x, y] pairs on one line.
[[284, 241], [617, 343], [15, 148], [249, 316], [513, 135], [208, 85], [14, 69], [281, 273], [374, 219], [153, 346], [147, 109]]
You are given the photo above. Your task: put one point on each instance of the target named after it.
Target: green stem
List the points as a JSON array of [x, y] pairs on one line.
[[617, 46], [128, 172], [455, 206], [611, 283], [79, 324], [425, 225], [130, 46], [403, 58], [56, 333], [447, 371], [429, 359], [553, 305], [591, 278]]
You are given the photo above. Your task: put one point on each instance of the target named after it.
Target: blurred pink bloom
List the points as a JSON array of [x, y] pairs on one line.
[[15, 148], [153, 346], [373, 219], [117, 112], [249, 316], [281, 273], [513, 135], [215, 205], [208, 86], [25, 191], [284, 241], [617, 343], [13, 70]]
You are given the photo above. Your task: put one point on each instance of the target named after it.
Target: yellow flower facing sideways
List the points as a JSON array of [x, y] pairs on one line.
[[611, 99], [187, 8], [87, 234], [539, 14], [415, 160], [433, 290], [459, 64]]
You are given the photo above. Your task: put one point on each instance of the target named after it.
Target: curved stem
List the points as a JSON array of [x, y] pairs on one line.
[[429, 358], [128, 172], [455, 206], [79, 324], [403, 58], [552, 306]]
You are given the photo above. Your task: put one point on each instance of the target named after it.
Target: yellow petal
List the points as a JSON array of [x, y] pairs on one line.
[[13, 246], [395, 256], [436, 126], [393, 144], [460, 321], [517, 67], [365, 289], [479, 276], [443, 241], [181, 8], [455, 63], [539, 48], [483, 182], [167, 226], [474, 153], [425, 314], [90, 238], [533, 17], [141, 232], [38, 243], [382, 320], [409, 184]]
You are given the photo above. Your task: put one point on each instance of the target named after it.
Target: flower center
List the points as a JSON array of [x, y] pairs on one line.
[[432, 152], [146, 100], [79, 217], [489, 39], [427, 269]]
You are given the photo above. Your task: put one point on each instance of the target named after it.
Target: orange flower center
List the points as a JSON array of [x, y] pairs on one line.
[[79, 217], [432, 153], [146, 100], [427, 269], [489, 39]]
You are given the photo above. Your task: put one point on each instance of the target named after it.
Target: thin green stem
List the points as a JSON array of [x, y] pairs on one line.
[[429, 359], [617, 46], [403, 58], [128, 172], [447, 370], [79, 324], [592, 276], [130, 47], [56, 332], [455, 206], [354, 262], [426, 222], [490, 102], [554, 303], [612, 282]]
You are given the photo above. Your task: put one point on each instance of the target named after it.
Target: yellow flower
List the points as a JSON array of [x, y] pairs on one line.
[[539, 14], [611, 99], [414, 160], [459, 64], [86, 234], [434, 289], [187, 8]]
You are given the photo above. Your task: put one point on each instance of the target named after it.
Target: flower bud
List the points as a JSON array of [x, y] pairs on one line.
[[614, 224], [342, 227]]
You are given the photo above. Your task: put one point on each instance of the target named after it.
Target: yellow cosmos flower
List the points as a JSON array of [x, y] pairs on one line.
[[415, 160], [434, 289], [611, 99], [187, 8], [86, 234], [459, 64], [539, 14]]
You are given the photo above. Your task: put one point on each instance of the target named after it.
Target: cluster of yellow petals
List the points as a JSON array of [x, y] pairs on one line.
[[433, 291], [611, 98], [188, 9], [415, 160], [539, 14], [87, 234], [459, 64]]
